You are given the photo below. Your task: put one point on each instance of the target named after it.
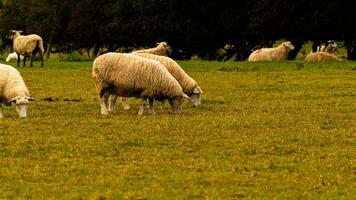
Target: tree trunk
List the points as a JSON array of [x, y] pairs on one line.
[[351, 49], [297, 46], [48, 51]]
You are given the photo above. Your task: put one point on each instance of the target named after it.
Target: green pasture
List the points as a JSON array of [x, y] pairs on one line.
[[269, 130]]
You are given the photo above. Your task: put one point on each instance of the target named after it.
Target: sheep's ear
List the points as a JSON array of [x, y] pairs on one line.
[[197, 90], [19, 31], [30, 99], [11, 100], [185, 96]]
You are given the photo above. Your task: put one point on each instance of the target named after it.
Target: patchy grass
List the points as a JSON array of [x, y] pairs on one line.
[[283, 130]]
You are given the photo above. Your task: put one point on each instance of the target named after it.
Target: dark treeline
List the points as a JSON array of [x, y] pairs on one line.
[[190, 27]]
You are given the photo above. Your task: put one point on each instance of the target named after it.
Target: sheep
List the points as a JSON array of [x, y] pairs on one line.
[[320, 56], [161, 49], [189, 85], [272, 54], [13, 56], [13, 91], [128, 75], [26, 45], [329, 47]]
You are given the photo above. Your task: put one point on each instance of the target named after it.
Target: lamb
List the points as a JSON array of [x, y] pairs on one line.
[[13, 91], [13, 56], [272, 54], [189, 85], [128, 75], [26, 45], [161, 49], [320, 56]]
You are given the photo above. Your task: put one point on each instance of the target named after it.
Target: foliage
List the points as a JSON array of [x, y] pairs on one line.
[[194, 27]]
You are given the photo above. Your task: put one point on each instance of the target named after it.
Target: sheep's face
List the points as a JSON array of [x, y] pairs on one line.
[[13, 33], [288, 45], [195, 97], [176, 103], [21, 105]]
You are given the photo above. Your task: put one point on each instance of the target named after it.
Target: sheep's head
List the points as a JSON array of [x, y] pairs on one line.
[[176, 102], [195, 97], [288, 45], [166, 46], [21, 104], [13, 33]]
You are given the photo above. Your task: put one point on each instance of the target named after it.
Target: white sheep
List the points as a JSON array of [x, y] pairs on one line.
[[128, 75], [13, 56], [161, 49], [188, 84], [272, 54], [13, 90], [320, 56], [27, 45]]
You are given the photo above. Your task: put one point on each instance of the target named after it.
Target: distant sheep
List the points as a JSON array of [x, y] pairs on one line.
[[161, 49], [330, 47], [272, 54], [13, 56], [320, 56], [189, 85], [13, 90], [128, 75], [27, 45]]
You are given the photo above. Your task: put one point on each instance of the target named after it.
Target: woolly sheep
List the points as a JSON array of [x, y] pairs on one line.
[[161, 49], [26, 45], [271, 54], [128, 75], [13, 90], [189, 85], [13, 56], [320, 56]]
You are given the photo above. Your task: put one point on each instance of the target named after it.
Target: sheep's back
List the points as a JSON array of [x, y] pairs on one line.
[[133, 72]]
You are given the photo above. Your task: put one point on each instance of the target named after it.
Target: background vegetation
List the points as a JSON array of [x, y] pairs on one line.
[[276, 130], [193, 27]]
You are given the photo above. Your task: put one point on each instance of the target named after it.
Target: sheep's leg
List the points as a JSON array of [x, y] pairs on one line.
[[24, 61], [163, 107], [104, 102], [142, 106], [152, 110], [124, 103], [31, 60], [112, 101], [18, 60], [1, 115]]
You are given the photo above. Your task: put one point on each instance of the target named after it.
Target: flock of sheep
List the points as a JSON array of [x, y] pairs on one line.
[[324, 53], [148, 74]]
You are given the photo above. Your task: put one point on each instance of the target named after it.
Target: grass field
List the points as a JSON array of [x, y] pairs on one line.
[[270, 130]]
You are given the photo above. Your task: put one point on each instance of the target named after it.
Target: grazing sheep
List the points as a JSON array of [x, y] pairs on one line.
[[320, 56], [189, 85], [13, 90], [27, 45], [271, 54], [128, 75], [161, 49], [13, 56]]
